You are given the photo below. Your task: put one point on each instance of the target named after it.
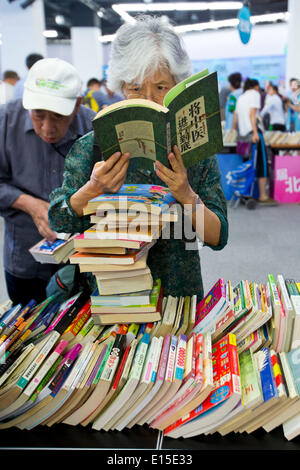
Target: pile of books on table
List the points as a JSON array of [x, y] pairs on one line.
[[58, 366], [125, 226]]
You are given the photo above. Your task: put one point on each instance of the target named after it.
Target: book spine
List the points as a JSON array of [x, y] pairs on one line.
[[32, 386], [79, 367], [206, 305], [4, 307], [291, 287], [121, 368], [156, 359], [170, 305], [199, 358], [180, 358], [192, 316], [284, 292], [80, 320], [155, 292], [59, 317], [206, 315], [10, 316], [12, 337], [46, 378], [234, 364], [96, 366], [16, 322], [149, 363], [113, 359], [190, 358], [266, 373], [171, 359], [23, 381], [14, 363], [132, 333], [274, 291], [64, 370], [278, 375], [69, 316], [104, 362], [164, 358], [140, 356]]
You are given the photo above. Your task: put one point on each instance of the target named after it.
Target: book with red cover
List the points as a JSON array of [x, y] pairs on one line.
[[210, 309], [226, 385]]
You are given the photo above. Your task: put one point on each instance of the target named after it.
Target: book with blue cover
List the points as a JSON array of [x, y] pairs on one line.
[[149, 198]]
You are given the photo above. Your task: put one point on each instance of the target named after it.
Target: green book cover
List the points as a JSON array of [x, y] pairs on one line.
[[190, 119], [251, 392], [294, 363]]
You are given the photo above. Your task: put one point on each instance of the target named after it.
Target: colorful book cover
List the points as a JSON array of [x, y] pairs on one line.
[[210, 306], [226, 377], [294, 363], [265, 368], [251, 393], [142, 197], [190, 118]]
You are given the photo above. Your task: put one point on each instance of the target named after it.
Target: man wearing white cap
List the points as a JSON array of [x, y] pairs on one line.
[[35, 136]]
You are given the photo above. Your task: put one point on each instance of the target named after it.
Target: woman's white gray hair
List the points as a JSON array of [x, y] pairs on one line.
[[142, 48]]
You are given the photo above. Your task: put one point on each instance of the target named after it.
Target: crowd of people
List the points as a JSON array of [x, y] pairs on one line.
[[274, 110], [250, 110]]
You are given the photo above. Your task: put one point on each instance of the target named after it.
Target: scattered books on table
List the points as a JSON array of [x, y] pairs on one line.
[[59, 366]]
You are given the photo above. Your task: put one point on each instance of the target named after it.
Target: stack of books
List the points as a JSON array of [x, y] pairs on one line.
[[126, 225], [58, 366], [55, 252]]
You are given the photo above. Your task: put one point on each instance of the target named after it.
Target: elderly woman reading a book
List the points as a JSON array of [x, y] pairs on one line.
[[147, 60]]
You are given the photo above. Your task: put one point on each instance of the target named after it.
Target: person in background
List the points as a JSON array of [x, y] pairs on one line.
[[30, 60], [223, 95], [93, 96], [274, 108], [235, 82], [293, 106], [10, 78], [36, 133], [245, 122], [110, 96], [147, 60]]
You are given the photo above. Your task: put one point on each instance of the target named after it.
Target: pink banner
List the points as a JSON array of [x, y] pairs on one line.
[[287, 179]]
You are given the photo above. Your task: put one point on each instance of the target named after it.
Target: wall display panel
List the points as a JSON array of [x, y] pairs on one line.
[[262, 68]]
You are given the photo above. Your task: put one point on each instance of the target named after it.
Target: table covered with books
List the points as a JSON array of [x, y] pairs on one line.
[[125, 357]]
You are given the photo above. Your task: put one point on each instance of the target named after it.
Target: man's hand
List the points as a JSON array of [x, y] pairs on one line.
[[38, 210]]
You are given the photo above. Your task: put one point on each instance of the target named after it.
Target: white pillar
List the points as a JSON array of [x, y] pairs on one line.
[[293, 48], [22, 34], [87, 52]]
